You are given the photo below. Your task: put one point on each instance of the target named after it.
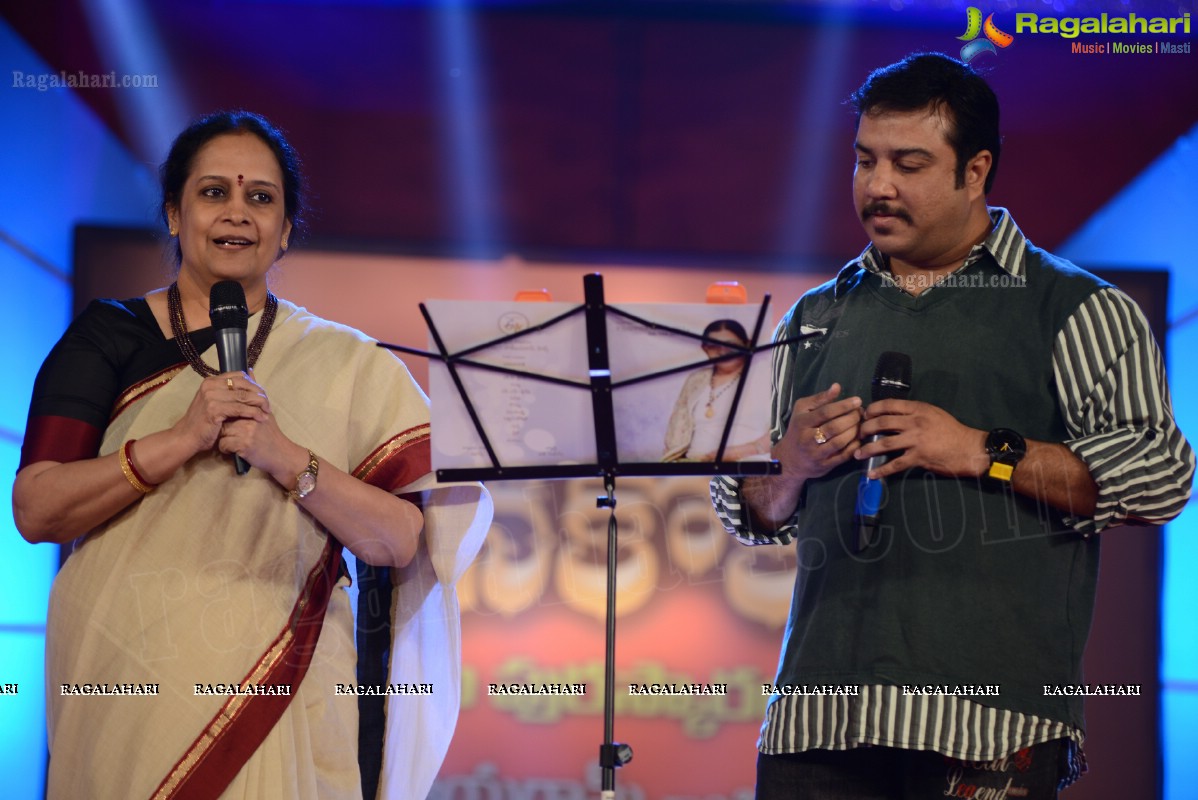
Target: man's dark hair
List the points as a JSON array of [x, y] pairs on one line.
[[945, 84]]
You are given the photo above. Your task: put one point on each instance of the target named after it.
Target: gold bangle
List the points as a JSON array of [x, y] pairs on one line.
[[131, 473]]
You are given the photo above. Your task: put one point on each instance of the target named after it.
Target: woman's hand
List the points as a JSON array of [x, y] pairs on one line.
[[56, 502], [375, 525], [249, 429], [231, 413], [219, 401]]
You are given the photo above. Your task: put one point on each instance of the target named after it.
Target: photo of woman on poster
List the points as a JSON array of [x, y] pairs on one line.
[[701, 411]]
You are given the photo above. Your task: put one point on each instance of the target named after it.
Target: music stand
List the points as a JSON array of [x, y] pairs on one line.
[[600, 384]]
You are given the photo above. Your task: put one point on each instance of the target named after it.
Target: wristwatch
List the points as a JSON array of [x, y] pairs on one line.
[[1006, 449], [305, 482]]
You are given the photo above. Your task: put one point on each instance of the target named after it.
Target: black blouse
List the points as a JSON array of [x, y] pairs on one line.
[[111, 347]]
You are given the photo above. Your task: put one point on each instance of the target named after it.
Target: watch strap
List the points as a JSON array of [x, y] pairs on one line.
[[1006, 449], [305, 481]]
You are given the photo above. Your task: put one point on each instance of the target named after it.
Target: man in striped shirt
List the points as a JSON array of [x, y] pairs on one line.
[[1038, 415]]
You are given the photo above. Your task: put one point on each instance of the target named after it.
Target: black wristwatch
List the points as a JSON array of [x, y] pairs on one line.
[[1006, 448]]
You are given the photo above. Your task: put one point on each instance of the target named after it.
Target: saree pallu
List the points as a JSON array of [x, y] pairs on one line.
[[215, 581]]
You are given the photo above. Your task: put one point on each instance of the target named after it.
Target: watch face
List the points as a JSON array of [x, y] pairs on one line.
[[304, 484], [1005, 444]]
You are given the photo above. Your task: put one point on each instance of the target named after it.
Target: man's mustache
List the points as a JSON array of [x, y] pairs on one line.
[[874, 209]]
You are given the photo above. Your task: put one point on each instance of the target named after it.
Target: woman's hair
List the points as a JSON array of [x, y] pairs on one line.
[[730, 325], [175, 170]]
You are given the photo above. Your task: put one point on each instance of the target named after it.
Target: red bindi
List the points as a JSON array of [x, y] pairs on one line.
[[240, 179]]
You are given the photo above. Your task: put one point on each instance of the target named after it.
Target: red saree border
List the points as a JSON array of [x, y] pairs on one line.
[[243, 722], [398, 461]]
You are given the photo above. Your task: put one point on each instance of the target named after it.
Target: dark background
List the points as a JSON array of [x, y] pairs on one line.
[[707, 128]]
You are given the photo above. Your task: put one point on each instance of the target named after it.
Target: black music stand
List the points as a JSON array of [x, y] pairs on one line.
[[611, 754]]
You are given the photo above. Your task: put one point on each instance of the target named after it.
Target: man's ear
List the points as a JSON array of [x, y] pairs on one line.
[[977, 169]]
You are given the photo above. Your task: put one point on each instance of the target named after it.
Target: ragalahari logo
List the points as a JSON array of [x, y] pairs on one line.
[[974, 26]]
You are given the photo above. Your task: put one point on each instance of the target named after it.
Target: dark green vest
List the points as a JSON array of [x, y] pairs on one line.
[[970, 584]]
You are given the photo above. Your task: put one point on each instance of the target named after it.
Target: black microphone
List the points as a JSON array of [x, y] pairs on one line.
[[892, 379], [229, 315]]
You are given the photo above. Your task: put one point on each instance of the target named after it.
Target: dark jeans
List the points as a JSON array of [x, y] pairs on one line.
[[886, 773]]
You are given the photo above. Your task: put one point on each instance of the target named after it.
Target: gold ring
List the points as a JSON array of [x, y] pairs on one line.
[[229, 382], [820, 437]]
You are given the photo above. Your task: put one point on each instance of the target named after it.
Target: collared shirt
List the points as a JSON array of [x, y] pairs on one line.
[[1110, 382]]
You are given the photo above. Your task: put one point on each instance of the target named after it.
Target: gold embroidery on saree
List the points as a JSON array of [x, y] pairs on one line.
[[389, 449], [140, 390]]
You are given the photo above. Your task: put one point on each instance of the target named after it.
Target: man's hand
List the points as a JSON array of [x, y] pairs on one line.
[[933, 439], [822, 434], [928, 436]]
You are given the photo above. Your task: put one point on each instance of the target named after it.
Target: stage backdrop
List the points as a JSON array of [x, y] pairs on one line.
[[694, 607]]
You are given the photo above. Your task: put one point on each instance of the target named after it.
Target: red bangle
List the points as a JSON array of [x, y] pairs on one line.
[[130, 469]]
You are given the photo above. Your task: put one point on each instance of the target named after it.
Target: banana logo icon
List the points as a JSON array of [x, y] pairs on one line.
[[974, 26]]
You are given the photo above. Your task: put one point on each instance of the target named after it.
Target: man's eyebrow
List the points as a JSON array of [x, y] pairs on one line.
[[919, 152], [914, 151]]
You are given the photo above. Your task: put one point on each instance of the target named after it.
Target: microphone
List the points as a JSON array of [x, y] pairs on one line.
[[892, 379], [229, 315]]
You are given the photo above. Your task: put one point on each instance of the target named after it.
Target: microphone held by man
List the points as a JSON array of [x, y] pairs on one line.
[[892, 380]]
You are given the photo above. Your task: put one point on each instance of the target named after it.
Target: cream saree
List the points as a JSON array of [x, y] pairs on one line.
[[216, 581]]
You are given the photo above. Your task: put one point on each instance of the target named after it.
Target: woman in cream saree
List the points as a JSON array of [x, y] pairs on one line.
[[198, 635]]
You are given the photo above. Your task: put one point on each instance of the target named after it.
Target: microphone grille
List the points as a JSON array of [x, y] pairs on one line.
[[892, 377], [226, 306]]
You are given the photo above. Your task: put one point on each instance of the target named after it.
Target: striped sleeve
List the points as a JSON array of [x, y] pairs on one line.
[[1111, 382], [726, 493]]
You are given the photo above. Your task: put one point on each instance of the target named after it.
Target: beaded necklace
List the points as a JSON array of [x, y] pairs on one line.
[[174, 304]]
